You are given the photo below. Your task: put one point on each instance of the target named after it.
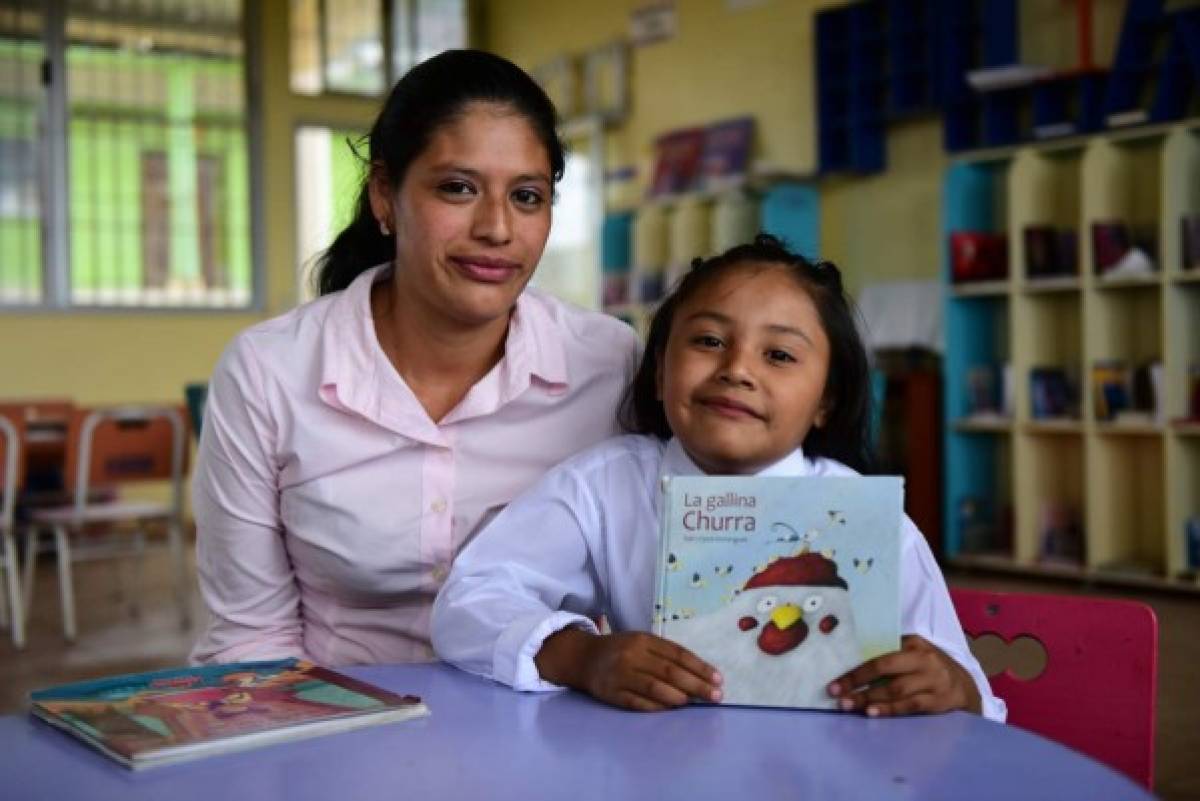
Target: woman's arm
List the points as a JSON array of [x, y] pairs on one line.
[[246, 577]]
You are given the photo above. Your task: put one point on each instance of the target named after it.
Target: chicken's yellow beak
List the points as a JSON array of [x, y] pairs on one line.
[[786, 616]]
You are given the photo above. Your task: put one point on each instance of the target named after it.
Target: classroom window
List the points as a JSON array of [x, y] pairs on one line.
[[570, 265], [21, 55], [329, 174], [363, 46], [142, 176]]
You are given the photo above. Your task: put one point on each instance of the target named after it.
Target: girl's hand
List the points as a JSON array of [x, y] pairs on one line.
[[917, 678], [633, 669]]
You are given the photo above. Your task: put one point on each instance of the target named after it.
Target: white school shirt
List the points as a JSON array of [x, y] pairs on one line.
[[584, 542], [329, 505]]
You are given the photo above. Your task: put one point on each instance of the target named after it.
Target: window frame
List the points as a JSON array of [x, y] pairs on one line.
[[54, 181]]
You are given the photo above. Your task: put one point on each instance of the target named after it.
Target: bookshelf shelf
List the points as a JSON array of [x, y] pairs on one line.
[[1062, 425], [984, 424], [1113, 496], [1119, 428], [1065, 283], [1132, 282], [980, 289]]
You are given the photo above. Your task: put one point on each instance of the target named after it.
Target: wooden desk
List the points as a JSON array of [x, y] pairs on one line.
[[484, 741]]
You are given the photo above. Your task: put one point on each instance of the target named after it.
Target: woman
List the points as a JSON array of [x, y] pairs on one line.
[[352, 446]]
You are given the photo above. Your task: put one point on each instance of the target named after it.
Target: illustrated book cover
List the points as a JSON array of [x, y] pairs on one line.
[[167, 716], [782, 584]]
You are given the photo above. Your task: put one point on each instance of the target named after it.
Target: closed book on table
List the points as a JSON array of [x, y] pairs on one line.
[[782, 584], [149, 719]]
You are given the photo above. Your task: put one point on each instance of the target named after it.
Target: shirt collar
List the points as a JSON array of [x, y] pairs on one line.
[[356, 375], [676, 462]]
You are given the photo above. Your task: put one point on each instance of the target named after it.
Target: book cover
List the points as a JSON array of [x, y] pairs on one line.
[[677, 162], [1110, 242], [167, 716], [725, 157], [1041, 251], [782, 584]]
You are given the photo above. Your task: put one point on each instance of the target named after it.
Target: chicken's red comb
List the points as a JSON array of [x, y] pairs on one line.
[[805, 569]]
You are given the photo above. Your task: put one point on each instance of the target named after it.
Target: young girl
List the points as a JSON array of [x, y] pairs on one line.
[[753, 366]]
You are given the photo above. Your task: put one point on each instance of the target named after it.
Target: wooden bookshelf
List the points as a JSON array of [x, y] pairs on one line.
[[1131, 484]]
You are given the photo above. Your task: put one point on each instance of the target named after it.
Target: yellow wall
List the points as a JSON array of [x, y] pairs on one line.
[[722, 63], [109, 357], [759, 60]]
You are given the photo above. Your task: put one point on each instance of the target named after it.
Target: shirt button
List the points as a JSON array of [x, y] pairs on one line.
[[438, 506]]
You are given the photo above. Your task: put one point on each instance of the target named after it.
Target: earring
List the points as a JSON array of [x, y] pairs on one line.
[[383, 228]]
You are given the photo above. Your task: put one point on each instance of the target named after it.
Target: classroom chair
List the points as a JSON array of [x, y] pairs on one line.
[[12, 428], [196, 395], [1096, 692], [111, 448]]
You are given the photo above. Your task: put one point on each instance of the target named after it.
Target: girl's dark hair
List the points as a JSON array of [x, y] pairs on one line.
[[430, 95], [845, 436]]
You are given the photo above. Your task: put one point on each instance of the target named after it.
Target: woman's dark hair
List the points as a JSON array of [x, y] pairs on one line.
[[845, 434], [430, 95]]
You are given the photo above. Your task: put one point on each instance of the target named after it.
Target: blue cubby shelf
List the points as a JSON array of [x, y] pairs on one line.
[[975, 333]]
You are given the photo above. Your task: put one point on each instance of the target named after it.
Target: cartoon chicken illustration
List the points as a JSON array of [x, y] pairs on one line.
[[783, 638]]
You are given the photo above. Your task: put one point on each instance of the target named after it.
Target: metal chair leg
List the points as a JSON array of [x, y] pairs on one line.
[[66, 588], [175, 542], [32, 542], [16, 615], [4, 604], [139, 564]]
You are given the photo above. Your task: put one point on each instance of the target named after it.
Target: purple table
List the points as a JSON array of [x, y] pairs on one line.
[[484, 741]]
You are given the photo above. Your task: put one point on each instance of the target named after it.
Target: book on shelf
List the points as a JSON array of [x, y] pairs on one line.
[[1052, 393], [144, 720], [1061, 535], [981, 529], [978, 256], [725, 158], [1120, 252], [1190, 229], [782, 584], [1193, 391], [1191, 542], [1050, 251], [1110, 385], [988, 391], [677, 162]]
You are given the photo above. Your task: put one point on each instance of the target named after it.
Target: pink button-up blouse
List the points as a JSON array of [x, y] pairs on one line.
[[328, 504]]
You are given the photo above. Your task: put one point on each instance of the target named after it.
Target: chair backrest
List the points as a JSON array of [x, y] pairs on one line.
[[12, 435], [109, 447], [1096, 692], [196, 396]]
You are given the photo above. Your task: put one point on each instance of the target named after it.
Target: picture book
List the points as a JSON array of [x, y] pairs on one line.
[[725, 157], [148, 719], [782, 584], [677, 162]]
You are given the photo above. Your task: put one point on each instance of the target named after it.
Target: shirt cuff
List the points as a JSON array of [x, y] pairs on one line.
[[994, 708], [512, 662]]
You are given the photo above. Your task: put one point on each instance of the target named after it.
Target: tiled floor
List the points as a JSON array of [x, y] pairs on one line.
[[113, 640]]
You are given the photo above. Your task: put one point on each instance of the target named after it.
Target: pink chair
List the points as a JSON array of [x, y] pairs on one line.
[[1096, 693]]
